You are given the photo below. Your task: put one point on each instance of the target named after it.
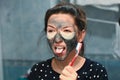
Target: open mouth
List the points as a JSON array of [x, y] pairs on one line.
[[59, 49]]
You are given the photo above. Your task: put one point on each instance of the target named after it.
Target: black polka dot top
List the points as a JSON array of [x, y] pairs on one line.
[[90, 71]]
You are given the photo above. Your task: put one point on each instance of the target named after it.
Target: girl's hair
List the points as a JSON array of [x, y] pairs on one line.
[[67, 8]]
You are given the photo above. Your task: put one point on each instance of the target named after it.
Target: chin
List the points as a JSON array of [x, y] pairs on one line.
[[60, 58]]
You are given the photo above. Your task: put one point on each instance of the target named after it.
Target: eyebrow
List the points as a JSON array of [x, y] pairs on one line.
[[65, 27], [68, 26], [51, 26]]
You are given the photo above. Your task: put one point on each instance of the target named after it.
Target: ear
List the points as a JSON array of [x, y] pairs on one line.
[[81, 35]]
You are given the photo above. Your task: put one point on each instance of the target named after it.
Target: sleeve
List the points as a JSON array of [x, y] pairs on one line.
[[32, 73], [103, 74]]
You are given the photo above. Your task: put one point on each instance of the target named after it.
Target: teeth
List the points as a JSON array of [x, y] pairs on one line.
[[59, 48]]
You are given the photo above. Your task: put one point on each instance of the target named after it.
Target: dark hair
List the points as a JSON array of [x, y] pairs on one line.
[[67, 8]]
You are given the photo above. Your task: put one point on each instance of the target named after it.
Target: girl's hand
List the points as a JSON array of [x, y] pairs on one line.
[[68, 73]]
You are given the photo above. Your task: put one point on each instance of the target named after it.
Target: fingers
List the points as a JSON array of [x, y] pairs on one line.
[[68, 73]]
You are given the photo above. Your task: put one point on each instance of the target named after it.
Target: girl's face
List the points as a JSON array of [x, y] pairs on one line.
[[61, 34]]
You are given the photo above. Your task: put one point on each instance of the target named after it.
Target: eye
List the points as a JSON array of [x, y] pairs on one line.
[[50, 30], [67, 30]]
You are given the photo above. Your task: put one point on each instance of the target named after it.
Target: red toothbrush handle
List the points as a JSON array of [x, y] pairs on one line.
[[73, 60]]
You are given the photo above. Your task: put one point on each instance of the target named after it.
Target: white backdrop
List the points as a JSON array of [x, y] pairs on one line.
[[101, 2]]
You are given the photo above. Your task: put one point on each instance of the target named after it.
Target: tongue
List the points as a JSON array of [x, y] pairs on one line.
[[59, 50]]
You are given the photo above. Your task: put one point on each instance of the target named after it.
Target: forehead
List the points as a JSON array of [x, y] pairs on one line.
[[61, 18]]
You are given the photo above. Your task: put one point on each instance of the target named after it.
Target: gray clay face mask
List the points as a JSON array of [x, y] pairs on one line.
[[62, 31], [71, 44], [65, 29]]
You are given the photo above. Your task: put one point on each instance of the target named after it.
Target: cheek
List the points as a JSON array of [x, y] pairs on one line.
[[68, 36], [51, 35], [71, 44], [50, 42]]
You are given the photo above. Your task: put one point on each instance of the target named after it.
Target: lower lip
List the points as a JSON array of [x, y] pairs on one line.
[[61, 54]]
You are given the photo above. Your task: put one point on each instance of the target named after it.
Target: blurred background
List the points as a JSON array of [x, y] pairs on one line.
[[22, 23]]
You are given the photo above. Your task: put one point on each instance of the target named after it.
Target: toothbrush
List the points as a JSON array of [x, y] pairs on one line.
[[78, 48]]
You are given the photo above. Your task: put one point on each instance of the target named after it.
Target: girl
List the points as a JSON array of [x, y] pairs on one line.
[[65, 27]]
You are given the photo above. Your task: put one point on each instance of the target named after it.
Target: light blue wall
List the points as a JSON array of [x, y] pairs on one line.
[[1, 62], [103, 39], [22, 21], [103, 31]]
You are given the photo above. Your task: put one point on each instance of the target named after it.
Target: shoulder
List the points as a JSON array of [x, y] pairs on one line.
[[92, 70], [41, 65], [94, 65], [38, 69], [96, 69]]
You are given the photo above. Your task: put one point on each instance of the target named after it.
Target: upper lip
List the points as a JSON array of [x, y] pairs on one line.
[[59, 46]]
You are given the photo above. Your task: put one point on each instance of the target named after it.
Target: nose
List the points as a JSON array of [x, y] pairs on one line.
[[58, 38]]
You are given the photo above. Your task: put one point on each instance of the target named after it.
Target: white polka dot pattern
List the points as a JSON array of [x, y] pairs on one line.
[[90, 71]]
